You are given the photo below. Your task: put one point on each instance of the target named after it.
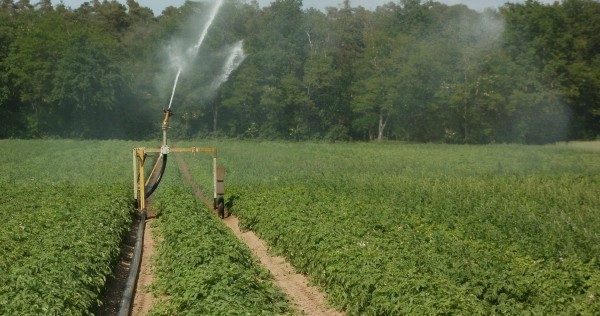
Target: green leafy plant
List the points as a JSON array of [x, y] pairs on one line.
[[63, 212], [427, 229]]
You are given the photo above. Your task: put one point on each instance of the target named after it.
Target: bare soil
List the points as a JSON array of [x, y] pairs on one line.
[[309, 300], [143, 298]]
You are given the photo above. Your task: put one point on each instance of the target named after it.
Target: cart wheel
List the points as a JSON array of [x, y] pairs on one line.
[[221, 209]]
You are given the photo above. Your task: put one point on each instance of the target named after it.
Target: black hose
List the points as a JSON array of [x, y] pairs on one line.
[[150, 190], [127, 299]]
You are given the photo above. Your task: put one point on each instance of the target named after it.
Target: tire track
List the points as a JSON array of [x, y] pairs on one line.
[[309, 299]]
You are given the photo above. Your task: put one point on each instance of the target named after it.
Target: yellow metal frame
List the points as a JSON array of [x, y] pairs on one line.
[[140, 181]]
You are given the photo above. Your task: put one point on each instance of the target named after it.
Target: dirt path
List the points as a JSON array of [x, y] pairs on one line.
[[308, 299], [143, 299]]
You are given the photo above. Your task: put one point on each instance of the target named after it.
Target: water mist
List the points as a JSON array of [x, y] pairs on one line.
[[193, 51], [234, 59]]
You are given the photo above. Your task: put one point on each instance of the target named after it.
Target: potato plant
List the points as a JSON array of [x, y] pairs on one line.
[[64, 207], [390, 229], [201, 268]]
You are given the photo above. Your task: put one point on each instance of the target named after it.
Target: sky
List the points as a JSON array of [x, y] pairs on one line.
[[158, 5]]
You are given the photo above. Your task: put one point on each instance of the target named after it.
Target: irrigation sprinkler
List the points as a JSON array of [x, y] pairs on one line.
[[145, 184]]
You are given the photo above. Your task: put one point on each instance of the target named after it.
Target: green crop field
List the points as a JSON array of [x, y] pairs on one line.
[[202, 269], [390, 229], [384, 229], [64, 208]]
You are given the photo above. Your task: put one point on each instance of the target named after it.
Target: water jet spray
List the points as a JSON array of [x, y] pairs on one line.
[[195, 48], [235, 58]]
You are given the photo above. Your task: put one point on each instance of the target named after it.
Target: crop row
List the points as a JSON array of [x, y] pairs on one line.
[[62, 215], [201, 267], [58, 244], [427, 251], [425, 229], [64, 208], [385, 229]]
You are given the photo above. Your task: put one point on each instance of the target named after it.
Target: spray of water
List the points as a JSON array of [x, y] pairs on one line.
[[195, 48], [234, 59], [174, 87], [210, 20]]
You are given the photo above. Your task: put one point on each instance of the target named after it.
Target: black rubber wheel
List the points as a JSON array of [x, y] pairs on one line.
[[221, 209]]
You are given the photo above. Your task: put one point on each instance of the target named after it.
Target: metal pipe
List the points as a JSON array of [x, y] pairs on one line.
[[165, 126], [141, 181], [215, 177], [135, 174]]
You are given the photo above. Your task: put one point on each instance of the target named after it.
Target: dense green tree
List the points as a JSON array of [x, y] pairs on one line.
[[471, 43], [348, 43], [537, 41], [321, 77], [378, 92], [240, 100], [23, 5], [411, 70], [581, 72], [276, 51], [67, 79], [12, 118], [7, 6], [44, 6]]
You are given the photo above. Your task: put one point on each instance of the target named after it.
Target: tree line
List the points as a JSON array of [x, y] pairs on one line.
[[411, 70]]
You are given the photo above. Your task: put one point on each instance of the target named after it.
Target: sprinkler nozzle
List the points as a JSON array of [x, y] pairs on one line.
[[168, 114]]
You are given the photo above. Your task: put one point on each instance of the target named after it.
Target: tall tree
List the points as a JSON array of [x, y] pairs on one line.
[[347, 39], [535, 39]]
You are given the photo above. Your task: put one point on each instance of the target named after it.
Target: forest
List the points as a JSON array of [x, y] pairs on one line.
[[411, 70]]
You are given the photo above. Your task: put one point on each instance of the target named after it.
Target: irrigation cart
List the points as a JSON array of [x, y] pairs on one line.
[[145, 184]]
